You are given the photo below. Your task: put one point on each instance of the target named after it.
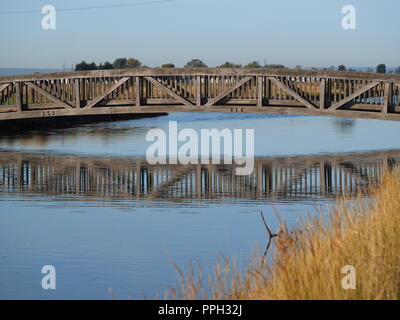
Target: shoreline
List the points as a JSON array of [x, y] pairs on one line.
[[25, 125]]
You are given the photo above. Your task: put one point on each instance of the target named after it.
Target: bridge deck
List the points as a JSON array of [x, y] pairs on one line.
[[145, 90]]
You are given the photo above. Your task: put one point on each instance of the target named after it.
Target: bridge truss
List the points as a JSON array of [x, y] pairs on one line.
[[146, 90]]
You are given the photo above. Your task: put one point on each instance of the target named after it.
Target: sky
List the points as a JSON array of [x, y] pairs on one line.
[[289, 32]]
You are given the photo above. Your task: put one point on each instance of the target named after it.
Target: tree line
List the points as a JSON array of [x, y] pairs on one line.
[[381, 68], [132, 63]]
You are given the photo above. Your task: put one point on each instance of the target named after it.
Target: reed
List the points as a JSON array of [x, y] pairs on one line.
[[307, 261]]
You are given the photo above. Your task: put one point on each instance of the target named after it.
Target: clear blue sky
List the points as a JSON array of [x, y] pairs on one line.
[[290, 32]]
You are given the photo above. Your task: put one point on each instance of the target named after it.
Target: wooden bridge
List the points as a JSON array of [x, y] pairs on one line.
[[145, 90], [293, 178]]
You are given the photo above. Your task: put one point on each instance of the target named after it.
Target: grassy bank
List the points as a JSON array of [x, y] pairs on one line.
[[308, 261]]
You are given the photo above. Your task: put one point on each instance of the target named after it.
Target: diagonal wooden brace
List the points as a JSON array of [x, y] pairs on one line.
[[169, 91], [48, 95], [106, 93], [294, 94], [341, 103], [223, 94], [178, 87], [4, 86]]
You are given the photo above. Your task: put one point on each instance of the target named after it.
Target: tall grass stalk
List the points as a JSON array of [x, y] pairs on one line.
[[308, 261]]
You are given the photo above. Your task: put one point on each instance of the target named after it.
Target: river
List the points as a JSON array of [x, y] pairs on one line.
[[85, 200]]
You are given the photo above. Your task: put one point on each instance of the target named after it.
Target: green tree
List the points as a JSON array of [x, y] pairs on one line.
[[83, 65], [120, 63], [195, 63], [342, 68], [168, 65], [132, 63], [381, 68], [253, 64], [105, 66], [92, 66], [228, 64]]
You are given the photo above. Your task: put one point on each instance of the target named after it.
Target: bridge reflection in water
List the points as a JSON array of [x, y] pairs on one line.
[[294, 178]]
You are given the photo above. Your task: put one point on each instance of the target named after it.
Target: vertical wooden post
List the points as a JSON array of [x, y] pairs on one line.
[[77, 94], [267, 90], [322, 93], [18, 100], [387, 97], [259, 92], [138, 91], [205, 89], [198, 91]]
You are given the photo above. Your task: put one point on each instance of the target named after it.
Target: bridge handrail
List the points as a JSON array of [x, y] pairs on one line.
[[345, 75]]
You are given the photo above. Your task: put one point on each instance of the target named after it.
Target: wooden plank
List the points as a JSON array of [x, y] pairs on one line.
[[322, 94], [137, 91], [387, 97], [77, 94], [353, 96], [106, 93], [169, 91], [48, 95], [177, 87], [228, 91], [205, 71], [18, 99], [198, 90], [292, 93], [4, 86], [181, 108], [268, 91], [259, 91]]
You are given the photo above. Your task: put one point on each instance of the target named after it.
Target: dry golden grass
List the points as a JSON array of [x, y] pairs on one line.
[[307, 261]]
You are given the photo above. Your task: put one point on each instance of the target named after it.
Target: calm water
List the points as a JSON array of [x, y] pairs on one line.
[[85, 200]]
